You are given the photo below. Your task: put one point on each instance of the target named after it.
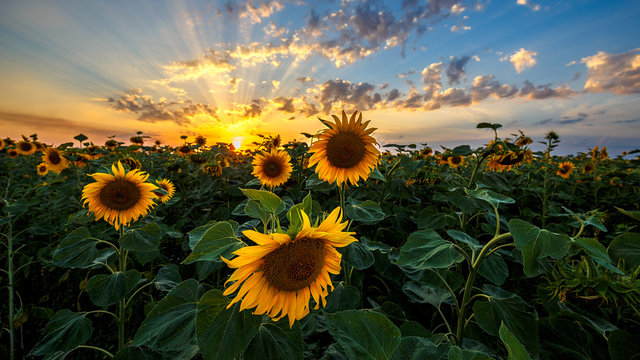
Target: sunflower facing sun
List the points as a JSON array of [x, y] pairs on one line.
[[273, 168], [565, 169], [345, 151], [120, 197], [166, 185], [279, 275], [54, 160]]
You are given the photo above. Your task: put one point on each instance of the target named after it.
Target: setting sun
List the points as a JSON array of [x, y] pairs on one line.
[[237, 142]]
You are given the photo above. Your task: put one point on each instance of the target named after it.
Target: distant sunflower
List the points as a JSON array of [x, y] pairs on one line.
[[111, 144], [588, 168], [42, 169], [25, 147], [455, 161], [158, 142], [54, 160], [166, 185], [2, 144], [279, 275], [12, 153], [426, 152], [137, 140], [212, 169], [566, 168], [132, 163], [201, 140], [513, 159], [595, 151], [345, 151], [273, 168], [184, 150], [524, 141], [604, 154], [120, 197]]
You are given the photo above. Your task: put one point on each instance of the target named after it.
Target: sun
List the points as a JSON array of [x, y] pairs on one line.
[[237, 142]]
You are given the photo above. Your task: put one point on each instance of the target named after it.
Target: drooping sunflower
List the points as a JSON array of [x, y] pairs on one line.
[[137, 140], [279, 275], [213, 169], [42, 169], [111, 144], [455, 161], [604, 154], [166, 185], [54, 160], [566, 168], [273, 168], [120, 197], [588, 168], [184, 150], [345, 151], [426, 152], [12, 153], [201, 140], [25, 147], [513, 159], [132, 163]]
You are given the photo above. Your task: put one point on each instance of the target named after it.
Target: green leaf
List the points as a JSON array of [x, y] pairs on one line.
[[64, 331], [376, 174], [342, 298], [425, 249], [364, 334], [517, 315], [536, 244], [218, 240], [597, 252], [590, 218], [171, 323], [276, 341], [295, 217], [457, 353], [514, 346], [80, 137], [76, 250], [223, 333], [489, 196], [357, 255], [634, 214], [268, 200], [196, 234], [494, 269], [626, 247], [108, 289], [464, 238], [624, 345], [462, 150], [253, 209], [144, 239], [418, 348], [428, 219], [486, 125], [367, 212], [422, 293], [168, 277], [136, 353]]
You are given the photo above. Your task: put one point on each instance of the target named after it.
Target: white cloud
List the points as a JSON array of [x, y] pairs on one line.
[[616, 73], [522, 59]]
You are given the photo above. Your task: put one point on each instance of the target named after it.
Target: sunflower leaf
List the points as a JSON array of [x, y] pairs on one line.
[[218, 240], [367, 212], [536, 243], [108, 289], [514, 346], [270, 201], [64, 331], [144, 239], [626, 247], [275, 340], [425, 249], [76, 250], [223, 333], [417, 348]]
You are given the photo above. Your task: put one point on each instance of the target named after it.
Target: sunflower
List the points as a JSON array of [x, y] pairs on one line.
[[25, 147], [2, 144], [201, 140], [42, 169], [137, 140], [604, 155], [345, 151], [54, 160], [426, 152], [184, 150], [120, 197], [158, 142], [279, 275], [273, 168], [455, 161], [588, 168], [595, 151], [212, 169], [12, 153], [524, 141], [566, 168], [132, 163], [111, 144], [167, 186]]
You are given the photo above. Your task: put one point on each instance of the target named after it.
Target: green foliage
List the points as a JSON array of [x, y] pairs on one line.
[[425, 249]]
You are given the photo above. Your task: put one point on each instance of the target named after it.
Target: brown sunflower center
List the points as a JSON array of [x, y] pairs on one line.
[[565, 169], [42, 168], [120, 195], [345, 150], [185, 149], [25, 146], [54, 157], [510, 159], [456, 160], [272, 168], [295, 265]]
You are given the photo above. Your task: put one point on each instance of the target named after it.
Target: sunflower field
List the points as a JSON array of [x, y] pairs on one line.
[[333, 249]]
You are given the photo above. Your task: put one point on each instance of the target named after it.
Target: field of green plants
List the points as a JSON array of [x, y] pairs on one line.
[[496, 252]]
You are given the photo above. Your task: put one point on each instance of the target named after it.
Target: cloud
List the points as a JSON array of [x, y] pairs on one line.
[[208, 65], [393, 94], [568, 120], [274, 31], [284, 104], [628, 121], [253, 110], [432, 79], [455, 69], [305, 80], [615, 73], [534, 7], [360, 96], [255, 12], [522, 59], [180, 112], [48, 123], [539, 92], [458, 27], [485, 86]]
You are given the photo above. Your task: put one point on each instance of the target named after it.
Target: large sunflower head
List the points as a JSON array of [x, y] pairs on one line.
[[345, 151], [26, 147], [166, 185], [120, 197], [565, 169], [42, 169], [54, 160], [273, 168], [279, 275]]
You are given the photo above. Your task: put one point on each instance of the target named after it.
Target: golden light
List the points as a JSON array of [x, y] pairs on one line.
[[237, 142]]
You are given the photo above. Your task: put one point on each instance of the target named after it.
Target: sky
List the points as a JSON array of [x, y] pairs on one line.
[[421, 71]]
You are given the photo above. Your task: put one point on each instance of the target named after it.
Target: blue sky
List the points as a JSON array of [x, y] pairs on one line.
[[421, 71]]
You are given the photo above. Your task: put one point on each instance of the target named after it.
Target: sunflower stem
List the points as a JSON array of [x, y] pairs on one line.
[[122, 258], [343, 190], [10, 273]]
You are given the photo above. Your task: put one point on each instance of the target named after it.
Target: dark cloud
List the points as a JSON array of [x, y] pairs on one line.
[[534, 92], [253, 110], [485, 86], [286, 104], [413, 101], [600, 112], [455, 69], [134, 101], [305, 80], [628, 121], [567, 120], [616, 73], [360, 95], [44, 123], [393, 94], [544, 122]]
